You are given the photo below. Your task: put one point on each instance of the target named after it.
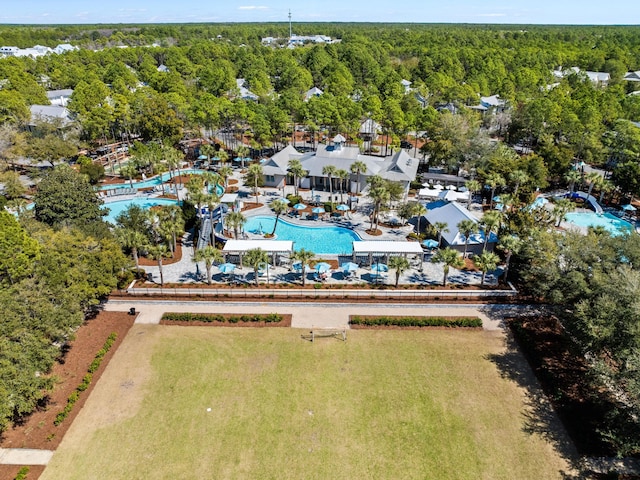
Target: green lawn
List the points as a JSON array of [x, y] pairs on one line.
[[383, 405]]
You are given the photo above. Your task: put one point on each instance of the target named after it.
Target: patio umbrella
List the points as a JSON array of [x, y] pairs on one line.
[[281, 199], [463, 189], [496, 198], [322, 267], [202, 157], [430, 243], [342, 207], [299, 206], [226, 267], [237, 159], [317, 210], [297, 267], [450, 187], [379, 268], [437, 186], [349, 267], [629, 208]]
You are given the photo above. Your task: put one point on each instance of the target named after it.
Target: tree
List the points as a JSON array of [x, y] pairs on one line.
[[473, 186], [295, 169], [65, 198], [225, 173], [450, 258], [572, 177], [380, 196], [18, 251], [486, 261], [400, 264], [467, 227], [441, 227], [594, 179], [129, 171], [358, 167], [243, 152], [518, 177], [419, 210], [254, 177], [494, 180], [304, 257], [278, 207], [560, 208], [209, 255], [133, 240], [490, 223], [330, 171], [509, 244], [234, 221], [343, 175], [159, 253], [171, 225], [256, 258]]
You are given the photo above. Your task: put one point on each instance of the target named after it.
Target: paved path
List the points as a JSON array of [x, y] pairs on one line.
[[24, 456], [318, 315]]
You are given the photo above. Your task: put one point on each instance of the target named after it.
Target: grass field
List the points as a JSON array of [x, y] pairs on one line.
[[383, 405]]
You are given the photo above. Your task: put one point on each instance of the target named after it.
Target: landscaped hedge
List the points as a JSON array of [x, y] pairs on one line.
[[374, 321], [86, 380], [217, 317], [22, 473]]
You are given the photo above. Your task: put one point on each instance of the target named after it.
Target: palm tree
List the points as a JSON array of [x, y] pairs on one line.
[[561, 208], [224, 173], [254, 177], [606, 187], [243, 152], [419, 210], [212, 200], [518, 177], [171, 224], [234, 221], [256, 257], [473, 186], [278, 207], [380, 196], [159, 253], [132, 239], [441, 227], [304, 257], [509, 244], [572, 177], [490, 222], [486, 261], [494, 180], [467, 227], [209, 255], [450, 258], [207, 150], [594, 179], [358, 167], [210, 178], [400, 264], [173, 158], [343, 175], [330, 171], [129, 171], [295, 169], [223, 156]]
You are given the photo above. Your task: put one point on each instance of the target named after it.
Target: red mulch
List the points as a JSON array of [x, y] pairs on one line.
[[38, 430], [145, 262], [563, 374], [10, 471]]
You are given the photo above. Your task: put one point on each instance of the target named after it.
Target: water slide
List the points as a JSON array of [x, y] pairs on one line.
[[588, 198], [205, 232]]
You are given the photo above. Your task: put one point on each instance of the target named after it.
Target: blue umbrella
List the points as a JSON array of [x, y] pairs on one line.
[[297, 267], [379, 268], [342, 207], [202, 157], [496, 198], [349, 267], [237, 159], [430, 243], [629, 208], [318, 210], [281, 199], [299, 206], [322, 267], [226, 267]]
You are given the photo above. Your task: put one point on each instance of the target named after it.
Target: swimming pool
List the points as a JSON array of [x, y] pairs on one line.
[[321, 240], [157, 180], [116, 208], [611, 223]]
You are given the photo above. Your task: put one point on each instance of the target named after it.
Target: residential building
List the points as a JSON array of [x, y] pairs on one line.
[[59, 97]]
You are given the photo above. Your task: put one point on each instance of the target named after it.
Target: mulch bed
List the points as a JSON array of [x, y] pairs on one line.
[[286, 322], [10, 471], [38, 430], [563, 374], [177, 256]]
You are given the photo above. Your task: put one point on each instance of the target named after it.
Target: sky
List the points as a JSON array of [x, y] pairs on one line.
[[612, 12]]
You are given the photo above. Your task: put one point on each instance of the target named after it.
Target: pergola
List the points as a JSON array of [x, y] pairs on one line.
[[386, 248], [272, 247]]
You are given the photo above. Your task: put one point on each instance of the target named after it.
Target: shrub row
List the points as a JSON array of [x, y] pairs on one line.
[[217, 317], [22, 473], [86, 380], [417, 321]]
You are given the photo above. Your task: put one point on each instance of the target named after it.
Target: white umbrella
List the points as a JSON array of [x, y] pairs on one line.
[[299, 206], [450, 187], [318, 210], [322, 267], [437, 186], [342, 207]]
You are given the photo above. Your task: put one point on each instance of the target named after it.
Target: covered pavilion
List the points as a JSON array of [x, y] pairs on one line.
[[386, 248], [272, 247]]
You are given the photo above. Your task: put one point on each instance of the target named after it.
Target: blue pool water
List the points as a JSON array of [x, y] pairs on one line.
[[157, 180], [321, 240], [611, 223], [115, 208]]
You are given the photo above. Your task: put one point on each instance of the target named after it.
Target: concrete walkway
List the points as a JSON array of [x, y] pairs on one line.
[[24, 456], [318, 315]]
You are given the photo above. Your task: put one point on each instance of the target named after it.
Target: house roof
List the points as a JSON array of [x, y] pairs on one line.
[[312, 92], [370, 126], [632, 76], [452, 214], [492, 101], [386, 246], [48, 112], [279, 163], [53, 94], [271, 246]]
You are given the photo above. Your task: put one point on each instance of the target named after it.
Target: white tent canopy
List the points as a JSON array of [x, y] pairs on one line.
[[387, 248], [273, 247]]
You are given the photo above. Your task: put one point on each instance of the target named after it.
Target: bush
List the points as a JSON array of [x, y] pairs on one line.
[[216, 317], [469, 322], [22, 473]]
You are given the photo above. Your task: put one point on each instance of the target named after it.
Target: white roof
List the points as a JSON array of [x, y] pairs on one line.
[[429, 192], [452, 214], [271, 246], [633, 76], [451, 196], [48, 112], [492, 101], [229, 198], [386, 246]]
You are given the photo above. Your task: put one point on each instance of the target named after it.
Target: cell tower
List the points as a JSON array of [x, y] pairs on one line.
[[289, 24]]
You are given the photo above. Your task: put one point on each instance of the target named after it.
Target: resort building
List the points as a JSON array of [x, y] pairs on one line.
[[452, 214], [399, 167]]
